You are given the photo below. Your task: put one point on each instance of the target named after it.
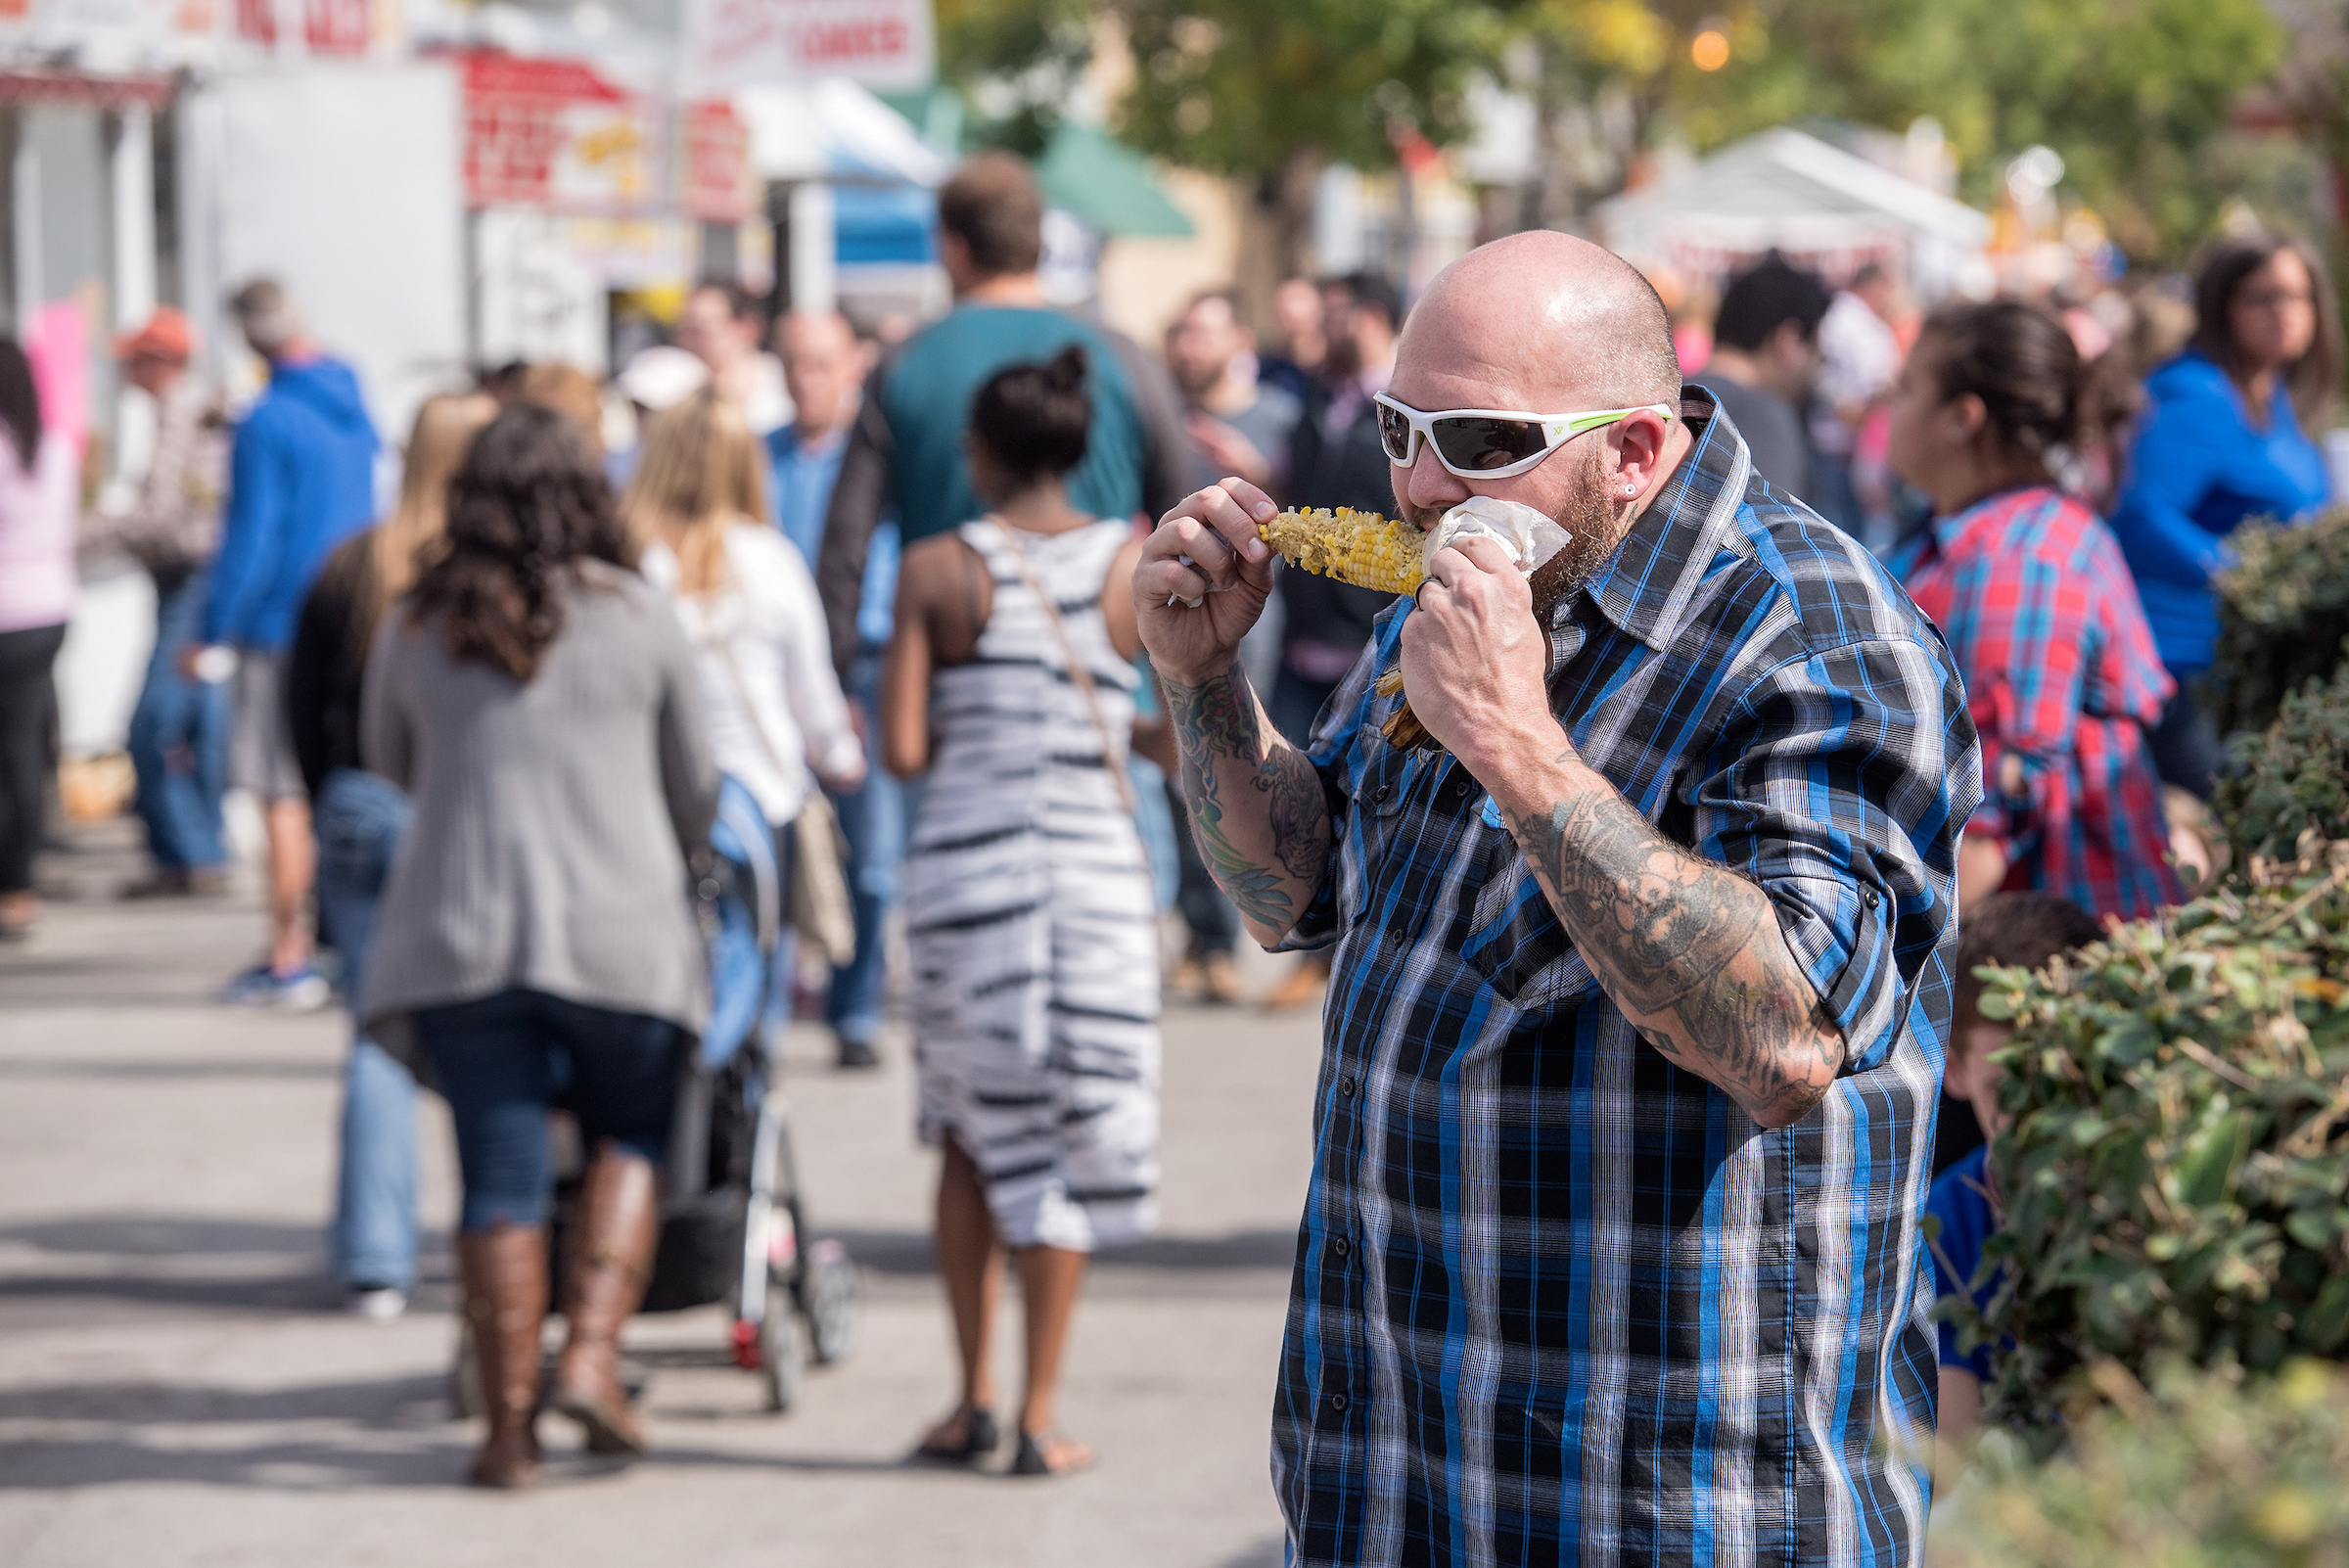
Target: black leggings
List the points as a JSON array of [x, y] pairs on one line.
[[26, 657]]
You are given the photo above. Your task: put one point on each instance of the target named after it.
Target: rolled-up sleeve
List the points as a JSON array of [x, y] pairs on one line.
[[1840, 787]]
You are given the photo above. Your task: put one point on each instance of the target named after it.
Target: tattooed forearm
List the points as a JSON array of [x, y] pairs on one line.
[[1689, 950], [1254, 802]]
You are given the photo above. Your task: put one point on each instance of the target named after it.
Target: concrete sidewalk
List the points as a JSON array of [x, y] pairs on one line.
[[175, 1386]]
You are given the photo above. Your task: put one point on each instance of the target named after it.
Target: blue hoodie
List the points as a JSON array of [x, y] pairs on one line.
[[2197, 469], [301, 480]]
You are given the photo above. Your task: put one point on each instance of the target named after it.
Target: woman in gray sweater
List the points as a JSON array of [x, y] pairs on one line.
[[540, 702]]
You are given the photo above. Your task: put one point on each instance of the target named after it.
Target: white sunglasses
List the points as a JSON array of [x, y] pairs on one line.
[[1485, 443]]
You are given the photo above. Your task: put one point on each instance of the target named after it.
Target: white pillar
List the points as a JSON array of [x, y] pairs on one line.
[[198, 150], [131, 178], [814, 273], [25, 216], [134, 181]]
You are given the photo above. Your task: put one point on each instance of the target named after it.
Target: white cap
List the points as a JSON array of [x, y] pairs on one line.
[[661, 378]]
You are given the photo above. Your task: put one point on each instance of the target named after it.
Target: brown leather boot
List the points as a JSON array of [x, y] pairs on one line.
[[619, 1222], [504, 1268]]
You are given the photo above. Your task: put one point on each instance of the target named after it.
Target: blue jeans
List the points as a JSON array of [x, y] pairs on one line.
[[179, 741], [360, 819], [501, 1061], [873, 819]]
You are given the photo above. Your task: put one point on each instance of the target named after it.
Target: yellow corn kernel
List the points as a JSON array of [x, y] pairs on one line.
[[1362, 548]]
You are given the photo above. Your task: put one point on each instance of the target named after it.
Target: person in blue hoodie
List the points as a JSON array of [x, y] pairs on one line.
[[301, 480], [2224, 439]]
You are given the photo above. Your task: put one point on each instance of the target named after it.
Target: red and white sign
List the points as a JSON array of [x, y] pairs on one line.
[[328, 27], [715, 183], [553, 133], [889, 45]]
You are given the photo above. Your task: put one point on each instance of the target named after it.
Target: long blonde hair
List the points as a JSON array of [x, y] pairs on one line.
[[410, 539], [702, 470]]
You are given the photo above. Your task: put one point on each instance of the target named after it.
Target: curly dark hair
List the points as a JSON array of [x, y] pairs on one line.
[[527, 504]]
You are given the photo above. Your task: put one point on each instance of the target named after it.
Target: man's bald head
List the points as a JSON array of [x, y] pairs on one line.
[[822, 364], [1543, 323], [1569, 324]]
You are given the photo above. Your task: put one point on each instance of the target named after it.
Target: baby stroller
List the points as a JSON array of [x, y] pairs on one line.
[[733, 1222]]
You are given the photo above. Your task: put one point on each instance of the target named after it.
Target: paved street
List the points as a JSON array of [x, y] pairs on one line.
[[175, 1389]]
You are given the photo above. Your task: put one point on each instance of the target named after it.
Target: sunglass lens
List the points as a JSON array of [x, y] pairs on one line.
[[1474, 444], [1394, 433]]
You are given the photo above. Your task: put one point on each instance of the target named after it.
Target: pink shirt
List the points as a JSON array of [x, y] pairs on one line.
[[37, 518]]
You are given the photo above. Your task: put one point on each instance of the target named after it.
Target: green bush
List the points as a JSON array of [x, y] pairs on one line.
[[2175, 1180], [2293, 778], [2206, 1471], [2284, 612]]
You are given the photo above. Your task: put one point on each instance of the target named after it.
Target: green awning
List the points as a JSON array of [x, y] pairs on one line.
[[1108, 186]]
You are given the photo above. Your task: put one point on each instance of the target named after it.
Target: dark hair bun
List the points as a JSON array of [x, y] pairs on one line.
[[2020, 360], [1034, 418]]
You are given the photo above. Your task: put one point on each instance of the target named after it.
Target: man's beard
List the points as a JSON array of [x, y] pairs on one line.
[[1589, 519]]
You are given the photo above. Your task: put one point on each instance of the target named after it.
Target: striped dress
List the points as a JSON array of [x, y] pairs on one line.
[[1030, 915]]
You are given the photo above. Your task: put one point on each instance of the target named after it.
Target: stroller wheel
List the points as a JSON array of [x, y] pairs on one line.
[[831, 1296], [782, 1351]]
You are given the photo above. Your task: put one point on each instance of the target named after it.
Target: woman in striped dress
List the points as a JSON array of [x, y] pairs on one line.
[[1028, 902]]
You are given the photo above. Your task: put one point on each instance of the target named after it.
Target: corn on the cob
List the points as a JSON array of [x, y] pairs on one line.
[[1362, 548]]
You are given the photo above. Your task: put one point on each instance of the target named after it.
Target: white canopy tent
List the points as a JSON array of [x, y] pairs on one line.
[[1819, 206]]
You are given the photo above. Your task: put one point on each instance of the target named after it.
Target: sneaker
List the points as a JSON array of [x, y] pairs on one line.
[[304, 990], [1189, 982], [378, 1303], [1304, 987], [1218, 980], [857, 1055]]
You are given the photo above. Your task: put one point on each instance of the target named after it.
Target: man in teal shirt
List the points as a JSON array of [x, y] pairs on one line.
[[905, 451]]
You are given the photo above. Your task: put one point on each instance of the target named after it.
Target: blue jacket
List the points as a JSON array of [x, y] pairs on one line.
[[300, 480], [2196, 470]]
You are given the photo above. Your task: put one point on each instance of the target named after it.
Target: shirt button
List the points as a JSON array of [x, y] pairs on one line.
[[1460, 788], [1346, 1087], [1380, 793], [1337, 1401], [1872, 896], [1339, 1247]]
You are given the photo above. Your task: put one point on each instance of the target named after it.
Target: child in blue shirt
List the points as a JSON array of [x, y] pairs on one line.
[[2009, 930]]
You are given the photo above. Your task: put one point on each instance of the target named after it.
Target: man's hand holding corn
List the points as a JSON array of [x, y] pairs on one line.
[[1474, 658], [1203, 581]]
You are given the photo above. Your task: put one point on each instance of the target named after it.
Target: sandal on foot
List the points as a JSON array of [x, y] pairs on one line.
[[1035, 1446], [979, 1438]]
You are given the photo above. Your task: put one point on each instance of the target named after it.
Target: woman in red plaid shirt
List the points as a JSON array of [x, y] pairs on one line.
[[2040, 612]]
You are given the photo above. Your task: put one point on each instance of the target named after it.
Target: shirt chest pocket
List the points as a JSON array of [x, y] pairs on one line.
[[1515, 942]]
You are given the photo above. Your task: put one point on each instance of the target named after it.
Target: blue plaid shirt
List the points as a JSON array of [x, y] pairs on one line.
[[1557, 1301]]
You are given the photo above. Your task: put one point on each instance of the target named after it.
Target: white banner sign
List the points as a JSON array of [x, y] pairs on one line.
[[887, 44]]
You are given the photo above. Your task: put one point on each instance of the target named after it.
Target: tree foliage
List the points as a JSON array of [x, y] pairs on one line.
[[2134, 94], [1241, 86]]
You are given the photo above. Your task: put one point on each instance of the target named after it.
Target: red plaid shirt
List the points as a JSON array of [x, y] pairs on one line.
[[2060, 674]]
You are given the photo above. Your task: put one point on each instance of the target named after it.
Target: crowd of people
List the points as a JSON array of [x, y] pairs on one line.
[[907, 609]]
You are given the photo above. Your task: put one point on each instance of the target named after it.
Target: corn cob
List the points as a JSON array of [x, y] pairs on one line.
[[1362, 548], [1368, 551]]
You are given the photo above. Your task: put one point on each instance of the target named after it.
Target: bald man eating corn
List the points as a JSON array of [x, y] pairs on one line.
[[1640, 984]]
